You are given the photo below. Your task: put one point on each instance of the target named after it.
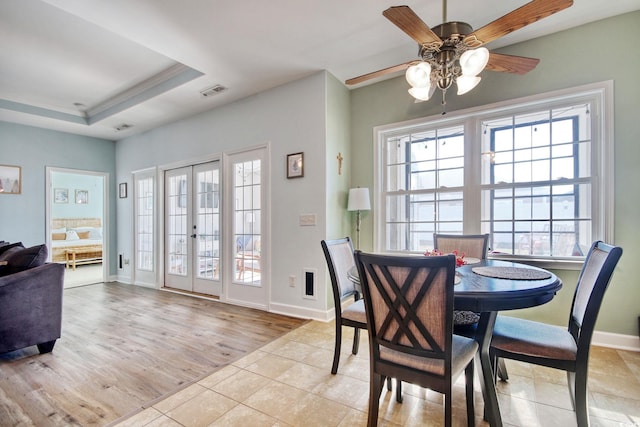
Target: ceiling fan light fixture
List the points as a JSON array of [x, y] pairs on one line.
[[472, 62], [419, 75], [466, 83], [422, 93]]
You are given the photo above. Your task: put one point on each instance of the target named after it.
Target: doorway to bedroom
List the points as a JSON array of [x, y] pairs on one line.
[[75, 224]]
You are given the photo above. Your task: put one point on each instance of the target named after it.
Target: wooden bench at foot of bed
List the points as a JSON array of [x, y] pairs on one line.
[[74, 257]]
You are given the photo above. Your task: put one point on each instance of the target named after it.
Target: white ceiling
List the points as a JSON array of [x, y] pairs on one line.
[[145, 62]]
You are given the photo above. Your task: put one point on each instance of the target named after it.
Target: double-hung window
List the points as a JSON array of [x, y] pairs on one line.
[[423, 181], [536, 174]]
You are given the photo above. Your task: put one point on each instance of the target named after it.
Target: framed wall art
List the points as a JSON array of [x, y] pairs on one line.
[[60, 195], [295, 165], [10, 179], [122, 188], [82, 197]]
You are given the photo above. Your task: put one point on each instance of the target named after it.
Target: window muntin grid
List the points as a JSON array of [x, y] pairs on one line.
[[556, 189]]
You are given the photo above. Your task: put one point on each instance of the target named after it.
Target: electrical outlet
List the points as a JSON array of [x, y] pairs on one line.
[[292, 281]]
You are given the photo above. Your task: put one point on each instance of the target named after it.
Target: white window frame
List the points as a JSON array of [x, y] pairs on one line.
[[600, 95]]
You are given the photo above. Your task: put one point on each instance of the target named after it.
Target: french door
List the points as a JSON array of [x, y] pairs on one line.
[[192, 229]]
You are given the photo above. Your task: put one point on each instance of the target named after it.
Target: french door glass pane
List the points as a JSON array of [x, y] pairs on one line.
[[247, 221], [208, 223], [144, 199], [177, 225]]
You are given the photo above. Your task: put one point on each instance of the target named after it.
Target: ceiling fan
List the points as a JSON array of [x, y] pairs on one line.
[[453, 52]]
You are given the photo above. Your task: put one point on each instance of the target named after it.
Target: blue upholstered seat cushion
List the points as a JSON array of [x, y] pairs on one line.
[[24, 259], [537, 339]]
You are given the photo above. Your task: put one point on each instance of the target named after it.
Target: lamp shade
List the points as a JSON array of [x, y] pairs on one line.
[[419, 75], [473, 62], [422, 93], [466, 83], [359, 199]]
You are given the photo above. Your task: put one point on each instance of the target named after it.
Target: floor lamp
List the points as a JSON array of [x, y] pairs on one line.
[[358, 201]]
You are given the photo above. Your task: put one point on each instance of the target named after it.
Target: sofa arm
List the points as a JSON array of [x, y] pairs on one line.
[[31, 306]]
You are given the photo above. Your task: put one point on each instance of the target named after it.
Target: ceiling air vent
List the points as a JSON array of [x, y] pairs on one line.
[[123, 126], [213, 90]]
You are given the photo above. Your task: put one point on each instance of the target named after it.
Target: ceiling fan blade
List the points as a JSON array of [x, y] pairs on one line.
[[514, 20], [379, 73], [510, 63], [406, 19]]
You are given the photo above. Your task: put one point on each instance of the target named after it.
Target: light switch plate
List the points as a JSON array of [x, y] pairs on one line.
[[307, 219]]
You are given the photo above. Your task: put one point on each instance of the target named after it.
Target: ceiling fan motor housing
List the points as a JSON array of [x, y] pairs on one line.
[[452, 31], [443, 58]]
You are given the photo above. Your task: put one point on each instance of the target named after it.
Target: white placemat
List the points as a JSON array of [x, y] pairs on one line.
[[512, 273]]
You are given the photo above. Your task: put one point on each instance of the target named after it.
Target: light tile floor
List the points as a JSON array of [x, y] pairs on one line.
[[288, 383]]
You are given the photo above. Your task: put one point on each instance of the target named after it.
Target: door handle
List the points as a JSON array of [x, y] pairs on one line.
[[194, 235]]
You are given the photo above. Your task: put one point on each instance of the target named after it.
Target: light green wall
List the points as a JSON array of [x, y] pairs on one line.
[[338, 222], [571, 58], [338, 142], [23, 215]]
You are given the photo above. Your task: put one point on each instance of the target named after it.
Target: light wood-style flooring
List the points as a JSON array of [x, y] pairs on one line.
[[124, 347]]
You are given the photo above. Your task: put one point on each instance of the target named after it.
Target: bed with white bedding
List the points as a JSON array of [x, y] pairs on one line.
[[83, 236]]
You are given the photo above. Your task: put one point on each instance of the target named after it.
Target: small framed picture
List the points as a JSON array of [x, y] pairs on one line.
[[60, 195], [82, 197], [10, 179], [122, 190], [295, 165]]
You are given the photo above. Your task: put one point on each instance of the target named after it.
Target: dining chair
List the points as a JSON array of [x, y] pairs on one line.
[[475, 246], [409, 307], [471, 245], [563, 348], [339, 256]]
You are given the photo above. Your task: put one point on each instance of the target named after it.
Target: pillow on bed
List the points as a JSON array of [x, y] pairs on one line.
[[59, 230], [83, 234], [96, 233], [58, 236], [72, 235]]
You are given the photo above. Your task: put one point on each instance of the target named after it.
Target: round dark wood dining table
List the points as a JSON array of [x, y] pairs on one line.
[[489, 295]]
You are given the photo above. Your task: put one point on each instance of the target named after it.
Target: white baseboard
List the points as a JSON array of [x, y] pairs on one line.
[[122, 279], [146, 285], [619, 341], [301, 312], [246, 304]]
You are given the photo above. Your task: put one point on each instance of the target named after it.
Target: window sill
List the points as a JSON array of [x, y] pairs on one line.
[[546, 263]]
